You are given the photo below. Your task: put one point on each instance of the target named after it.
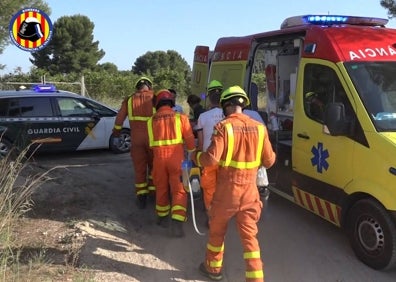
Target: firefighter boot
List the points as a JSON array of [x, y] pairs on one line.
[[141, 201], [210, 275], [163, 221], [177, 228]]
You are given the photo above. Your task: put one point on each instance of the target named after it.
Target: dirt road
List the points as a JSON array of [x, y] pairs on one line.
[[122, 243]]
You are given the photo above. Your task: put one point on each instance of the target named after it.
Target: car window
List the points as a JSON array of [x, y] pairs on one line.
[[99, 109], [4, 107], [27, 107], [72, 107]]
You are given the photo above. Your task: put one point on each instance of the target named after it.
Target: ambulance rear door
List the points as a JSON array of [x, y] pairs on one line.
[[230, 61], [200, 70]]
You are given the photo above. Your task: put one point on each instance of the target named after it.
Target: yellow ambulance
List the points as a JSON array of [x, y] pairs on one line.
[[326, 85]]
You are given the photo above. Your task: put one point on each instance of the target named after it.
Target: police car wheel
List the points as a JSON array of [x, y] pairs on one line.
[[124, 143], [5, 148], [372, 234]]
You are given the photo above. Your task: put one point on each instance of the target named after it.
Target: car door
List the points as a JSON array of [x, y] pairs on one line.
[[102, 130], [31, 120], [79, 125]]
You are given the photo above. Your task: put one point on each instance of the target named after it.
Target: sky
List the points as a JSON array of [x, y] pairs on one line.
[[128, 29]]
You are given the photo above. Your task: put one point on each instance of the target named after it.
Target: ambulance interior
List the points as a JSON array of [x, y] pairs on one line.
[[274, 71]]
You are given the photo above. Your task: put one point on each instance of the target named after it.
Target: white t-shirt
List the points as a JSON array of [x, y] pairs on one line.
[[206, 121], [254, 115], [178, 108]]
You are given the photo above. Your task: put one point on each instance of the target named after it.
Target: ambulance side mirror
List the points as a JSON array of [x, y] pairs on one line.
[[334, 119]]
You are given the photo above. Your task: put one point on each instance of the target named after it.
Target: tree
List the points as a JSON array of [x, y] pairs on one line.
[[109, 67], [71, 48], [169, 70], [391, 6], [7, 9]]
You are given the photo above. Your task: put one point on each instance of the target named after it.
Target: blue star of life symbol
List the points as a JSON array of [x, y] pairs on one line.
[[319, 157]]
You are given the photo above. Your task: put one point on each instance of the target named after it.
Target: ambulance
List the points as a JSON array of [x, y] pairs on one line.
[[326, 85]]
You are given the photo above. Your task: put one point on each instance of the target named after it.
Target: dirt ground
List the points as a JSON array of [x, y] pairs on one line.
[[85, 226]]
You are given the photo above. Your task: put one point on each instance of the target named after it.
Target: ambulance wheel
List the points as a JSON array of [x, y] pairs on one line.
[[125, 142], [372, 234]]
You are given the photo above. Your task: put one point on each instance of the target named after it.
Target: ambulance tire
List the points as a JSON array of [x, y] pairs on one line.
[[124, 144], [372, 234]]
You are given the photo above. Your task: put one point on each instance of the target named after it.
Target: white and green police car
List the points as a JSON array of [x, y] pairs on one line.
[[57, 121]]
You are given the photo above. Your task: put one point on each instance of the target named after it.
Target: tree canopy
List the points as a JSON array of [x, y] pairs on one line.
[[390, 5], [169, 69], [71, 48]]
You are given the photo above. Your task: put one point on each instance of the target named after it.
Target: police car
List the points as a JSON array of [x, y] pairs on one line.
[[51, 120]]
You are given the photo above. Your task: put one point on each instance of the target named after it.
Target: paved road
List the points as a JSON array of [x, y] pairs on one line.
[[297, 246]]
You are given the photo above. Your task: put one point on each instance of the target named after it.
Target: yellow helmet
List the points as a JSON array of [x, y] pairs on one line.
[[215, 84], [143, 80], [233, 93]]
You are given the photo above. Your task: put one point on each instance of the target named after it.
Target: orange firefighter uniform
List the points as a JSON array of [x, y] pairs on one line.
[[138, 108], [239, 145], [169, 132]]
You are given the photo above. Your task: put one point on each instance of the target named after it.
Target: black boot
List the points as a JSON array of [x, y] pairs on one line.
[[210, 275], [141, 201], [163, 221], [177, 228]]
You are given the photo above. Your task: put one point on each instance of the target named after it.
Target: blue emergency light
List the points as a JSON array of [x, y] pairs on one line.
[[328, 20], [44, 88], [316, 19]]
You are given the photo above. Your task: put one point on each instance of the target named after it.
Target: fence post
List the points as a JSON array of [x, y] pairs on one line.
[[82, 86]]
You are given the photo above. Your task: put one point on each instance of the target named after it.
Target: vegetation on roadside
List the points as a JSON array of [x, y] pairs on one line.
[[16, 188]]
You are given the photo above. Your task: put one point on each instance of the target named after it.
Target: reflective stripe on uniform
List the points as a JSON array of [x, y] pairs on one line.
[[251, 255], [215, 263], [130, 112], [177, 140], [214, 248], [141, 185], [254, 274], [198, 156], [231, 140]]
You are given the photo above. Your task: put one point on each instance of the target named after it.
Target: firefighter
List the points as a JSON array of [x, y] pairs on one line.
[[169, 133], [205, 125], [139, 108], [239, 146]]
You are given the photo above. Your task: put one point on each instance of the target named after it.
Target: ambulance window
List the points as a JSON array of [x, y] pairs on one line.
[[30, 107], [322, 86]]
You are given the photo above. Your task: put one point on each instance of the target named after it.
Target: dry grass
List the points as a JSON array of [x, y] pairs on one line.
[[15, 200]]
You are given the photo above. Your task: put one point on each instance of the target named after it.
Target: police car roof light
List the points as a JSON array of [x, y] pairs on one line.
[[331, 20], [44, 88]]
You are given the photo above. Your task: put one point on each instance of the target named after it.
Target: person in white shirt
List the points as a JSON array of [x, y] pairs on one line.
[[263, 190], [176, 108], [254, 115], [206, 122]]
